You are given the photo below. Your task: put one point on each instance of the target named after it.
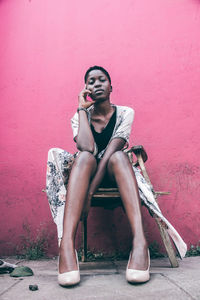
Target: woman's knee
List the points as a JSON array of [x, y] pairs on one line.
[[85, 158], [119, 158]]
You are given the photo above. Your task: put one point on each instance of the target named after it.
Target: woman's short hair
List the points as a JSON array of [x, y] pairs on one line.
[[96, 68]]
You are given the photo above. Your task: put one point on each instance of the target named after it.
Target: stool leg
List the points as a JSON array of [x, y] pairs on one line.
[[84, 232], [168, 245]]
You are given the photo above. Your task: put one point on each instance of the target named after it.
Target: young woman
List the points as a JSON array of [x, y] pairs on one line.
[[101, 131]]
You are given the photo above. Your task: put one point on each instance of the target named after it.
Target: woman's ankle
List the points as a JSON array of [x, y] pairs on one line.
[[67, 243], [139, 243], [67, 259]]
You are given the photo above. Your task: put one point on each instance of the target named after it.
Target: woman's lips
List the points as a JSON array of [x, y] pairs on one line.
[[99, 91]]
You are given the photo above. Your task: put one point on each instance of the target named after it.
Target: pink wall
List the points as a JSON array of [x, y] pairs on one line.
[[152, 51]]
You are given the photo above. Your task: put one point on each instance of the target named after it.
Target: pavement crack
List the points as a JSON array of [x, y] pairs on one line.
[[15, 283], [177, 285]]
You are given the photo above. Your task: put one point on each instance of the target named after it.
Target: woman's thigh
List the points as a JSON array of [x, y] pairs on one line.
[[119, 163]]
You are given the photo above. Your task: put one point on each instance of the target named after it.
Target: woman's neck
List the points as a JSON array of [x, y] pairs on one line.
[[102, 108]]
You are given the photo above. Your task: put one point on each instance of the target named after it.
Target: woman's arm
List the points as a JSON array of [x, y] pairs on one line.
[[118, 141], [84, 139]]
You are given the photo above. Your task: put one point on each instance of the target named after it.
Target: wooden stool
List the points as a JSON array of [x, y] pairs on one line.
[[106, 197]]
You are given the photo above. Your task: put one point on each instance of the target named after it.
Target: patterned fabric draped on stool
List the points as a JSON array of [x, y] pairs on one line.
[[58, 169]]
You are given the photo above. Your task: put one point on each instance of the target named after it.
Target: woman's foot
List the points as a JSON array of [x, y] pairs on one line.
[[69, 273], [137, 270], [67, 258], [138, 259]]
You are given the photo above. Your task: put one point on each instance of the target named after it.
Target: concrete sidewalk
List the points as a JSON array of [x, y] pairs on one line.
[[105, 281]]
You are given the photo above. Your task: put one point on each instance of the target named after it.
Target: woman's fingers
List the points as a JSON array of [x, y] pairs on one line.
[[83, 102], [85, 92]]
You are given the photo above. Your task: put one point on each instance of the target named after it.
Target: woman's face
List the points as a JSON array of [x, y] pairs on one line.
[[99, 85]]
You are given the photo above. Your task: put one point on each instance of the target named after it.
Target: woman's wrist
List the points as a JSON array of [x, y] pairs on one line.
[[82, 108]]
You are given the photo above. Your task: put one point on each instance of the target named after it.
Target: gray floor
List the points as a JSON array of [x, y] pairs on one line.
[[105, 280]]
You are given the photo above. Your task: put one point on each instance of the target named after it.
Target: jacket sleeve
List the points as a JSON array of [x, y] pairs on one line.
[[74, 125], [123, 129]]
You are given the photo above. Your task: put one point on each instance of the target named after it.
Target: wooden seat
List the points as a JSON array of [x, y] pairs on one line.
[[110, 198]]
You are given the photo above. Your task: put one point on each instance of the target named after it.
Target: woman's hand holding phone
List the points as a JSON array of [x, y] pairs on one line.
[[82, 98]]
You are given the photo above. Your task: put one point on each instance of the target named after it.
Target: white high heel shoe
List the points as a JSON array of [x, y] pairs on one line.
[[138, 276], [70, 278]]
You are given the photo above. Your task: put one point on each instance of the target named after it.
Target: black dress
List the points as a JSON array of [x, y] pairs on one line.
[[102, 139]]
